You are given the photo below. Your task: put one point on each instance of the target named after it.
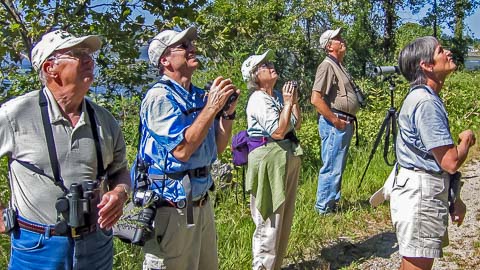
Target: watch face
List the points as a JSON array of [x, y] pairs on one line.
[[181, 204]]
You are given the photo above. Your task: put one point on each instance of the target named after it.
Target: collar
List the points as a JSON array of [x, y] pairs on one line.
[[54, 112]]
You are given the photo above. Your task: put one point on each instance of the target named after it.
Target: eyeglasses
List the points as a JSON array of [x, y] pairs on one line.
[[77, 53], [182, 46], [266, 65]]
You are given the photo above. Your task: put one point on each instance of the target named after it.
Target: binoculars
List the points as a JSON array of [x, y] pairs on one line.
[[78, 208]]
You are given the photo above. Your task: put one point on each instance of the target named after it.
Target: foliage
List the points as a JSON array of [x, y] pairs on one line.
[[230, 31]]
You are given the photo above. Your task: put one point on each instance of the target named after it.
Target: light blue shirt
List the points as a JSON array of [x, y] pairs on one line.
[[423, 123], [166, 112], [263, 114]]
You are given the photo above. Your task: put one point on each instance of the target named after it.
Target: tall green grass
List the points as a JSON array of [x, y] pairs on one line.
[[311, 232]]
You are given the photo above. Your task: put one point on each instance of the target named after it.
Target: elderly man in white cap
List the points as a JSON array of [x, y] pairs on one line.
[[335, 100], [183, 130], [63, 151]]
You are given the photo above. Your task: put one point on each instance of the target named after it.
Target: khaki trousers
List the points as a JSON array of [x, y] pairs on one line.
[[177, 246], [270, 238]]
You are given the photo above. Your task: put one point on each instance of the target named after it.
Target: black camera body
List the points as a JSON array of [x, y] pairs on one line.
[[78, 208], [362, 99], [9, 219], [229, 102], [147, 199]]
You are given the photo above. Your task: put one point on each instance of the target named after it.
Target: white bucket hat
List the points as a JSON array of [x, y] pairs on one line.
[[60, 39], [327, 36], [252, 62], [167, 38]]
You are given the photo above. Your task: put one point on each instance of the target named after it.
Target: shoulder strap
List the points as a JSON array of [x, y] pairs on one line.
[[101, 173], [172, 86], [337, 71], [52, 151]]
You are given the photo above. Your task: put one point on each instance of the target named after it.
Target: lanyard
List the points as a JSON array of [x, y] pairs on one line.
[[52, 151]]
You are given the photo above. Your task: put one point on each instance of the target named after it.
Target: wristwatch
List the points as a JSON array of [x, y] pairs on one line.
[[229, 116], [125, 189]]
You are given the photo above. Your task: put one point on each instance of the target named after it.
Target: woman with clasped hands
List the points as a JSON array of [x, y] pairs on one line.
[[426, 154], [273, 159]]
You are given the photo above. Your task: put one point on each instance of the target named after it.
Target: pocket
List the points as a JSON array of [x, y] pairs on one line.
[[25, 240], [171, 231], [401, 182]]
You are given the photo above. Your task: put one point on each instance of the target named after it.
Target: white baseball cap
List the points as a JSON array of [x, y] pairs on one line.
[[60, 39], [252, 62], [167, 38], [327, 36]]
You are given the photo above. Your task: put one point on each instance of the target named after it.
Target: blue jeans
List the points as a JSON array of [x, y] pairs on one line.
[[335, 145], [31, 250]]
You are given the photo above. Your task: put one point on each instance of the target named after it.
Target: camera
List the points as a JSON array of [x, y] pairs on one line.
[[229, 102], [78, 208], [9, 219], [146, 199], [362, 99], [384, 70]]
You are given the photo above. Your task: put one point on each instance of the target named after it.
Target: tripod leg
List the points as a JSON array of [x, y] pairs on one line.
[[375, 145]]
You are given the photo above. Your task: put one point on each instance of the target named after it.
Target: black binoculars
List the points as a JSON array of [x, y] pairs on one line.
[[78, 208]]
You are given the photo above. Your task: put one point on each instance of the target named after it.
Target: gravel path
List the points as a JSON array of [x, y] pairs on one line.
[[380, 251]]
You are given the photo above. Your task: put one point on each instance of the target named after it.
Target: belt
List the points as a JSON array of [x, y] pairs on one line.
[[181, 204], [344, 117], [38, 228], [350, 118], [50, 229], [424, 171], [194, 173]]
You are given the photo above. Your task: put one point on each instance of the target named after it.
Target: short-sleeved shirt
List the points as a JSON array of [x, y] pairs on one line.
[[263, 114], [327, 83], [167, 111], [22, 138], [423, 124]]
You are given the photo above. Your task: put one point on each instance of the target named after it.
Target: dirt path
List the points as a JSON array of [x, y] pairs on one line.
[[380, 251]]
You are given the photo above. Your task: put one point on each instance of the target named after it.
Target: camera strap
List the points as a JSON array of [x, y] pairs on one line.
[[52, 151], [358, 92]]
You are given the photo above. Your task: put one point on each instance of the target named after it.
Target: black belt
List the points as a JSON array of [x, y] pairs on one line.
[[193, 173], [348, 117], [423, 171]]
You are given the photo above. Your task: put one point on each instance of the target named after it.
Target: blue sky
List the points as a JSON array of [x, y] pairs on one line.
[[473, 21]]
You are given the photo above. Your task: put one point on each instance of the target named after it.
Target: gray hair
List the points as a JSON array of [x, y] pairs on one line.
[[252, 83], [42, 76], [421, 49]]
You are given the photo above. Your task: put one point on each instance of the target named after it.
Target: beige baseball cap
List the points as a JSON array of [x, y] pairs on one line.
[[327, 36], [60, 39], [253, 61], [167, 38]]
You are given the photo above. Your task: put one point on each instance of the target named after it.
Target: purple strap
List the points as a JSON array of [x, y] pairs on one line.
[[255, 142]]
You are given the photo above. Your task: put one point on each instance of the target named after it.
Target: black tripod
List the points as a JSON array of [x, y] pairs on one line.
[[390, 122]]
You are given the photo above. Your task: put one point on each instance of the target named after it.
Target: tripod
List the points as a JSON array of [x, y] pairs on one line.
[[390, 122]]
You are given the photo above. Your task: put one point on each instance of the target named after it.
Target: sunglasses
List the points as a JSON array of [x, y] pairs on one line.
[[266, 65], [183, 46]]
